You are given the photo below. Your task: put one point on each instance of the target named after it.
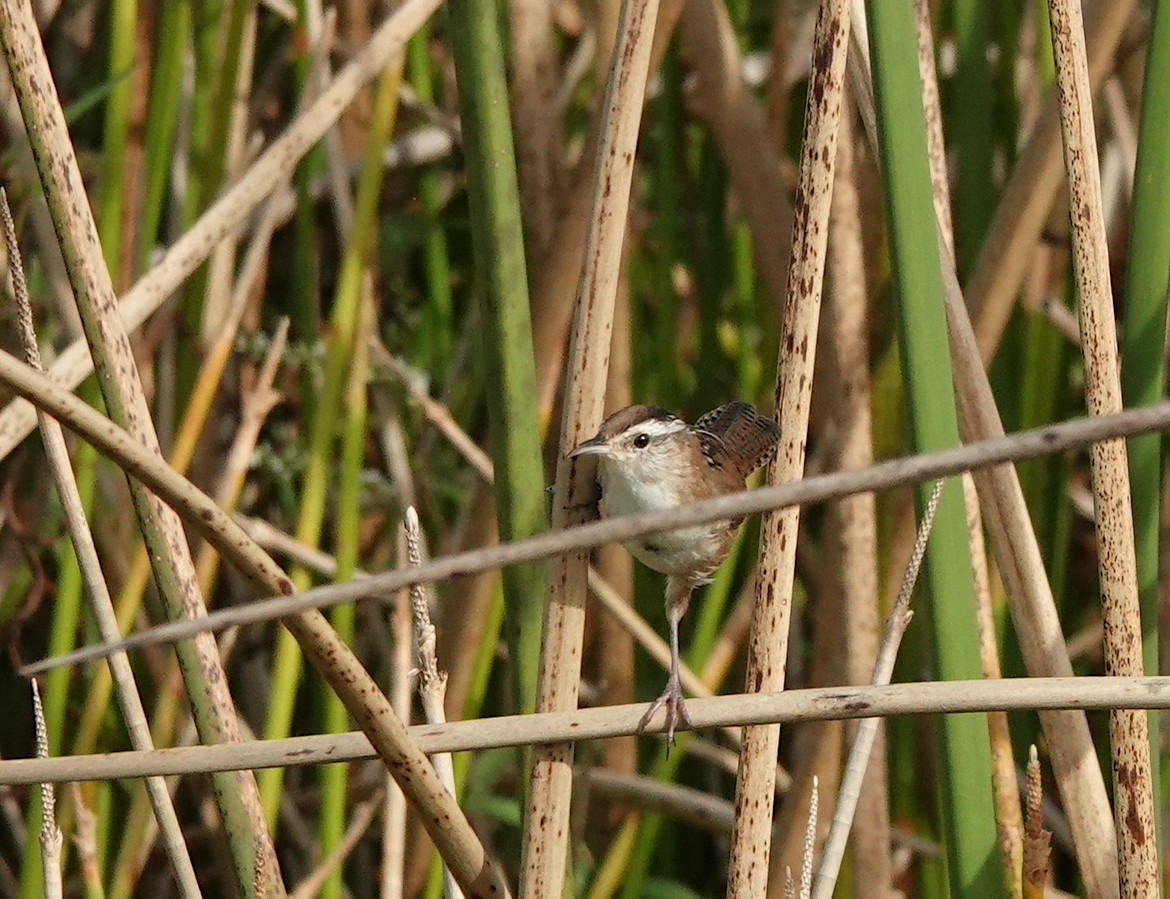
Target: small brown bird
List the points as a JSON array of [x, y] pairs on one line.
[[650, 460]]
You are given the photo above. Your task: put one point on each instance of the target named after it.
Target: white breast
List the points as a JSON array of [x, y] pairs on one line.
[[646, 490]]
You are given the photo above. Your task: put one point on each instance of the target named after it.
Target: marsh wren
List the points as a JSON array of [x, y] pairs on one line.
[[650, 460]]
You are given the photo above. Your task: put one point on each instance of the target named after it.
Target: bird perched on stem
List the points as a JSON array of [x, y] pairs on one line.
[[650, 460]]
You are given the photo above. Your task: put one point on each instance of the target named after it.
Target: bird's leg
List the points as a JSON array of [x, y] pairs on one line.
[[678, 597]]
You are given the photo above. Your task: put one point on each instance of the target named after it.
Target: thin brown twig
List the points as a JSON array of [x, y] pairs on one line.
[[361, 819]]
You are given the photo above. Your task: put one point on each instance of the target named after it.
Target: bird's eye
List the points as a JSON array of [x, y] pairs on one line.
[[642, 441]]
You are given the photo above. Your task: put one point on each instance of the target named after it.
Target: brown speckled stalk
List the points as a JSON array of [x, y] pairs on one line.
[[768, 647], [546, 822], [1129, 731]]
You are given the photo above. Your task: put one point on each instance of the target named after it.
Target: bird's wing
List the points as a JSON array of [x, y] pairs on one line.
[[736, 435]]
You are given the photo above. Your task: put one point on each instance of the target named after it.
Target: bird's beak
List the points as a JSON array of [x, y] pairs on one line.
[[594, 447]]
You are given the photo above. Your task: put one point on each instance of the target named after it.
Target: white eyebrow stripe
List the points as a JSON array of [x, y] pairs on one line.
[[660, 427]]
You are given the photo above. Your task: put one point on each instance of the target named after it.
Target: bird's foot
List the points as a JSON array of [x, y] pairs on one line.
[[675, 707]]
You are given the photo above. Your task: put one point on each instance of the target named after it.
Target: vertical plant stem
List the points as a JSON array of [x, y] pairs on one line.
[[1143, 368], [855, 518], [334, 779], [534, 85], [967, 806], [1027, 198], [253, 856], [768, 646], [174, 31], [498, 248], [1128, 730], [115, 134], [438, 314], [546, 823], [973, 129]]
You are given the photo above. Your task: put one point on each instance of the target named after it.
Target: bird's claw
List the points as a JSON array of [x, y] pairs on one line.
[[675, 707]]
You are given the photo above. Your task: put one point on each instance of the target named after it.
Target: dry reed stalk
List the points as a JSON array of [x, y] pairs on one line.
[[722, 100], [1024, 204], [231, 211], [1129, 731], [935, 144], [855, 519], [1021, 566], [50, 836], [81, 536], [546, 821], [1008, 817], [768, 645], [1037, 841], [252, 851], [432, 683], [393, 876], [615, 642], [537, 125], [814, 704]]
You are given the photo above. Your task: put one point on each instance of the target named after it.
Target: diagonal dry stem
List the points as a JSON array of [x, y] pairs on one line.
[[1017, 554], [237, 800]]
